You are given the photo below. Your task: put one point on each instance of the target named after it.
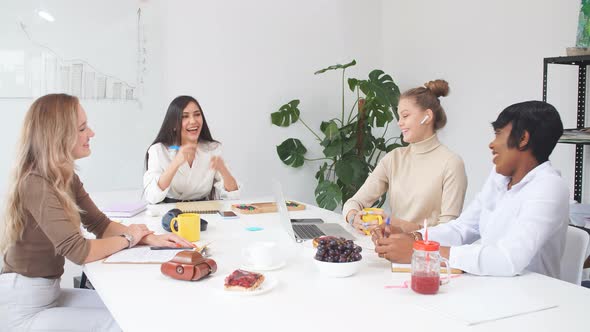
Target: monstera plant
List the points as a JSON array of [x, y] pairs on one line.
[[350, 148]]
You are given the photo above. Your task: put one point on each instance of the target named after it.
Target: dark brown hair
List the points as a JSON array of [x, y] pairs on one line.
[[427, 97], [169, 133]]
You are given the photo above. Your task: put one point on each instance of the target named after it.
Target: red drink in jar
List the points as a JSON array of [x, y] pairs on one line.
[[426, 262], [425, 284]]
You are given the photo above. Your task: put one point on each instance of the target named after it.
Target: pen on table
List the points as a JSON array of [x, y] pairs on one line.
[[171, 248]]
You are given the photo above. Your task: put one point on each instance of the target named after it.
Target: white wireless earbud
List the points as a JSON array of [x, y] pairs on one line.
[[424, 120]]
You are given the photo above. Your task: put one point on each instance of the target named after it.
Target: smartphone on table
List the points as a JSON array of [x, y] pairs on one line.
[[228, 214]]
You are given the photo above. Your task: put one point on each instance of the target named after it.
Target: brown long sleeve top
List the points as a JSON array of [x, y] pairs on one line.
[[49, 235]]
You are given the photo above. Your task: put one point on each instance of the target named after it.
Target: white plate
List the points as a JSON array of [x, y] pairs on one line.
[[268, 284], [277, 266]]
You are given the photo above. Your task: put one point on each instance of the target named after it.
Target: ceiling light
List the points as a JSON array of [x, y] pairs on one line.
[[46, 16]]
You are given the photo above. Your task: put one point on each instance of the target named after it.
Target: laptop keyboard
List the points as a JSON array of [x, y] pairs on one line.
[[306, 231]]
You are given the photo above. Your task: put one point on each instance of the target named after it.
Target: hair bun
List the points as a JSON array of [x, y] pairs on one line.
[[440, 88]]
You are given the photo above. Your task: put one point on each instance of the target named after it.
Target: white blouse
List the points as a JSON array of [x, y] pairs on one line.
[[189, 183]]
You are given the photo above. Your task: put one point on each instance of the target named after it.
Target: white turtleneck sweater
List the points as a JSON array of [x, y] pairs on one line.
[[424, 180]]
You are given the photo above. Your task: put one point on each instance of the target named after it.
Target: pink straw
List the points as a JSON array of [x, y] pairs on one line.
[[425, 231]]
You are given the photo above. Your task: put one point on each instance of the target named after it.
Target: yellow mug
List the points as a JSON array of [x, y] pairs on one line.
[[189, 226], [371, 216]]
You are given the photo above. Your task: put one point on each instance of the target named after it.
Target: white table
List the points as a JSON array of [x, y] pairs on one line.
[[142, 299]]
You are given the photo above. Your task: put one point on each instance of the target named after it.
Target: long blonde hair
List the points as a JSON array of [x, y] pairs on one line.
[[48, 137]]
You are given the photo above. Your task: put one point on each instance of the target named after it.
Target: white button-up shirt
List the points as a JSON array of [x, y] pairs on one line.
[[189, 183], [523, 228]]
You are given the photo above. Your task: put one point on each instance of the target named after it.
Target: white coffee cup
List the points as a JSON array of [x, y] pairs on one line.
[[261, 255]]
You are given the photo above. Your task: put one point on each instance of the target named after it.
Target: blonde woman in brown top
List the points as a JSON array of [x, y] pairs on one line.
[[46, 206], [425, 180]]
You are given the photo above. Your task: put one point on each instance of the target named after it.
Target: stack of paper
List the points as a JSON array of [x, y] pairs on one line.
[[581, 136], [396, 267], [201, 207], [124, 210], [141, 255]]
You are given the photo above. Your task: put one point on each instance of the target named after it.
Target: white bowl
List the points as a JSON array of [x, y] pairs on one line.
[[337, 270]]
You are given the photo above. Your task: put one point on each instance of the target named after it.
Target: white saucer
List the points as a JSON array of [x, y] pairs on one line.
[[268, 284], [277, 266]]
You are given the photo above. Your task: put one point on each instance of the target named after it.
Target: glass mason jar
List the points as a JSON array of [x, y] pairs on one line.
[[426, 261]]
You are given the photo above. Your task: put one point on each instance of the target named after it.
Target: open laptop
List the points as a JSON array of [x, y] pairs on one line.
[[301, 230]]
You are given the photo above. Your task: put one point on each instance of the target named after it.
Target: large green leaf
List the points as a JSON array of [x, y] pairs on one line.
[[286, 115], [334, 67], [377, 114], [292, 152], [333, 148], [586, 8], [351, 170], [330, 129], [386, 91], [320, 175], [347, 190], [353, 83], [328, 195], [382, 97], [338, 146]]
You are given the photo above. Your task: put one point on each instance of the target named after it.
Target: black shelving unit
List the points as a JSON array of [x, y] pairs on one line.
[[580, 61]]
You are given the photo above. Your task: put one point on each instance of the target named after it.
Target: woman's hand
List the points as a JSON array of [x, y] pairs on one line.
[[186, 152], [384, 231], [138, 232], [396, 248], [218, 164], [363, 226], [167, 240]]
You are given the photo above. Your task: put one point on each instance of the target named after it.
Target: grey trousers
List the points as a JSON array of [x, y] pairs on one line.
[[39, 304]]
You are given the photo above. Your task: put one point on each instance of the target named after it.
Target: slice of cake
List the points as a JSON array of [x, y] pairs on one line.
[[241, 280]]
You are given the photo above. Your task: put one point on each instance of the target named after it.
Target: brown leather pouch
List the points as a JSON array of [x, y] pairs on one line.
[[189, 265]]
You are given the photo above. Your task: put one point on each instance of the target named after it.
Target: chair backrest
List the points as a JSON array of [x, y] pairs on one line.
[[575, 253]]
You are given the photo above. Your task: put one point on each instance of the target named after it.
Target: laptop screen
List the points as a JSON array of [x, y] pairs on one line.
[[283, 211]]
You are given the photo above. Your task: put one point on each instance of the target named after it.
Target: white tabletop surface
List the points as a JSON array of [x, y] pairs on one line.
[[141, 298]]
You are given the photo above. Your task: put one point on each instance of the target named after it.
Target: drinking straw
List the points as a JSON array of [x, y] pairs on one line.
[[425, 231]]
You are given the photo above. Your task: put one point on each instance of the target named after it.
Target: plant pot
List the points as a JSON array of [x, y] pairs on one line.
[[575, 51]]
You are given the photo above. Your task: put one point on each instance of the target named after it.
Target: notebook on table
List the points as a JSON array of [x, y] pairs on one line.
[[124, 210], [200, 207], [395, 267]]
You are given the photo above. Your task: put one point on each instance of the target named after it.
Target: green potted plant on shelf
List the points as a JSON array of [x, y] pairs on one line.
[[350, 149], [583, 33]]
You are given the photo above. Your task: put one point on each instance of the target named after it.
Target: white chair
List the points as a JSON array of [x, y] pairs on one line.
[[574, 254]]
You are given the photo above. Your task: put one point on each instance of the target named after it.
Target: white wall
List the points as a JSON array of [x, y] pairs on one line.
[[103, 34], [492, 54], [244, 59]]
